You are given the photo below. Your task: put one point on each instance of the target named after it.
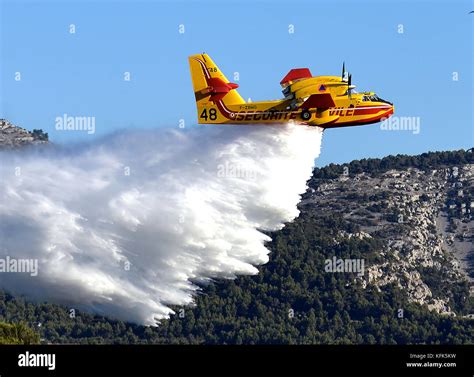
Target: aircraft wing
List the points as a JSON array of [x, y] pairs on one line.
[[320, 101], [294, 75]]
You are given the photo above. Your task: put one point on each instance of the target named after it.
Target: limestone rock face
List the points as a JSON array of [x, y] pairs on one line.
[[425, 219], [13, 137]]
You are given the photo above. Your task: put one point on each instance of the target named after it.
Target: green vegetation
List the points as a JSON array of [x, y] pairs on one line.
[[17, 333], [425, 161], [39, 135]]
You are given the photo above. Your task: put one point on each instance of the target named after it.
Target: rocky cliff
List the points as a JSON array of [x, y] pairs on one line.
[[12, 136], [425, 218]]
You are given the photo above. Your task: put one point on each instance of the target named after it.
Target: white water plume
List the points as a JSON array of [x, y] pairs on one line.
[[128, 225]]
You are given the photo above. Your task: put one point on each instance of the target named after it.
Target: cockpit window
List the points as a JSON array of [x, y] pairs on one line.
[[373, 98], [378, 99]]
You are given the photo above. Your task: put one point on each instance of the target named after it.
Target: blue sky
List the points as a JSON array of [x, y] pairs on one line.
[[82, 74]]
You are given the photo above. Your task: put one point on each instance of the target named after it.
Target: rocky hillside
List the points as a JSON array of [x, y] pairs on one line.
[[13, 137], [425, 218]]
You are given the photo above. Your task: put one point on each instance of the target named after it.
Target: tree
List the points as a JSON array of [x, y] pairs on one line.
[[17, 333]]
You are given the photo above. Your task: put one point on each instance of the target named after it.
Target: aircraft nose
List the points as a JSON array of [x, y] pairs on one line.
[[391, 110]]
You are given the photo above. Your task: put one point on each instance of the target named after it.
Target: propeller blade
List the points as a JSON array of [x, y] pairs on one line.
[[343, 70], [349, 82]]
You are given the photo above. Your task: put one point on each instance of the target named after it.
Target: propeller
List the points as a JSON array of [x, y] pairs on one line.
[[349, 82]]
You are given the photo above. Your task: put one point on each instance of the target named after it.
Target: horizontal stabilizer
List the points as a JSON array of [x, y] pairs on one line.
[[320, 101], [218, 88]]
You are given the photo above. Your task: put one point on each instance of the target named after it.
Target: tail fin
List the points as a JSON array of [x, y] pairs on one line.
[[210, 84]]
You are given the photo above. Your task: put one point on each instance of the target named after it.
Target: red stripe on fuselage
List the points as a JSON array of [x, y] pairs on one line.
[[370, 111], [362, 121], [224, 110]]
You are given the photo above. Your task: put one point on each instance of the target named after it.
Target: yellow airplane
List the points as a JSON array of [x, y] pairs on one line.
[[324, 101]]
